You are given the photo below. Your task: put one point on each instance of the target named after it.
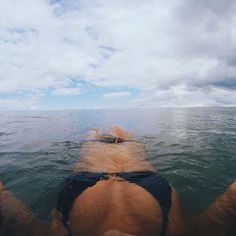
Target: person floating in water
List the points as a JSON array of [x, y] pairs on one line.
[[114, 191]]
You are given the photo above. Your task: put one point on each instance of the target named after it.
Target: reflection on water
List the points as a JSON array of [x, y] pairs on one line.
[[194, 148]]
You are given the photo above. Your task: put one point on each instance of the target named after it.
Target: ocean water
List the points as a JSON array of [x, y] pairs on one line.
[[194, 148]]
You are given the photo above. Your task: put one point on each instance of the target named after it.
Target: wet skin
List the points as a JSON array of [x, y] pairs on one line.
[[113, 206]]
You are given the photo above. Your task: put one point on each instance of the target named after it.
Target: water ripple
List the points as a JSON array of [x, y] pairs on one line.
[[194, 148]]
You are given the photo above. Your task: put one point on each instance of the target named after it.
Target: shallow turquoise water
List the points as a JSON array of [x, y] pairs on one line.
[[194, 148]]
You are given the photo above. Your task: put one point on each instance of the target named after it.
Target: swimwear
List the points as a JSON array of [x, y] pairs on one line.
[[155, 184], [106, 138]]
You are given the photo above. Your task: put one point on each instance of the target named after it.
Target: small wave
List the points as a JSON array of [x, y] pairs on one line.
[[66, 144]]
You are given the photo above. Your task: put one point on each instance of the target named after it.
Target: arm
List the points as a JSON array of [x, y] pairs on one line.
[[16, 219], [220, 217], [176, 224]]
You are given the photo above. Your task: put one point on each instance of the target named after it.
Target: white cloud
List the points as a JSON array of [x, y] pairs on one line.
[[19, 103], [179, 96], [154, 46], [116, 95], [66, 91]]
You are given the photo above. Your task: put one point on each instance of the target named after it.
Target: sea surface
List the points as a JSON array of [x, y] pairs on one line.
[[194, 148]]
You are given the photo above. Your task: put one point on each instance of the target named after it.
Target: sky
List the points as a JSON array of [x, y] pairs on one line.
[[96, 54]]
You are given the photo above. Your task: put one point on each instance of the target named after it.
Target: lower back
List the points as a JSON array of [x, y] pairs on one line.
[[116, 204]]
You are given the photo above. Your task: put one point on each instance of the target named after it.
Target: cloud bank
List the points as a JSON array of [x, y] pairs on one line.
[[174, 53], [116, 95]]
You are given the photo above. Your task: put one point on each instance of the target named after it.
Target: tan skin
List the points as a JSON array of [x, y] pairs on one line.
[[115, 207]]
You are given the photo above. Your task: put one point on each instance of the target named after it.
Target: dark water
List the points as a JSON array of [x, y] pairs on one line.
[[194, 148]]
